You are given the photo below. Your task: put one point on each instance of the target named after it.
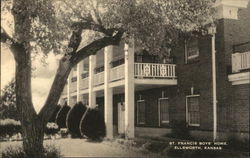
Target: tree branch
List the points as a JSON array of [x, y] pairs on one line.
[[65, 67], [5, 36], [89, 25], [15, 47], [96, 45]]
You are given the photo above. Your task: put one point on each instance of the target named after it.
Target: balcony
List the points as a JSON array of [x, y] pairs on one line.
[[240, 68], [84, 83], [240, 61], [154, 71], [152, 74], [117, 73], [99, 78]]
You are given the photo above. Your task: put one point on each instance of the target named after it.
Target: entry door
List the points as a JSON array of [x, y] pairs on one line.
[[121, 118]]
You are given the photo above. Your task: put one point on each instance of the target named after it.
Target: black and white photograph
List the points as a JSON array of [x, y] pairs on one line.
[[125, 78]]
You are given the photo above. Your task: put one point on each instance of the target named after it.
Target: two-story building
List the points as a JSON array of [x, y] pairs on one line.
[[142, 94]]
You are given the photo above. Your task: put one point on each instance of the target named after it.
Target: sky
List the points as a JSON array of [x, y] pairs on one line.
[[42, 79]]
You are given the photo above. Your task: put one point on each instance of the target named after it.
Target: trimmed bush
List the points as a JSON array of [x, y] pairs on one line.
[[236, 143], [61, 116], [74, 118], [9, 127], [53, 117], [180, 130], [92, 124], [51, 128], [50, 151]]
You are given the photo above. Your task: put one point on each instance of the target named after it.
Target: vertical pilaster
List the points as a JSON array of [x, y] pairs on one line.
[[108, 92], [92, 94], [129, 90], [68, 88], [79, 71]]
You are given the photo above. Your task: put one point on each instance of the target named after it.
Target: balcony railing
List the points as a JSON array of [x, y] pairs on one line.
[[117, 73], [84, 83], [152, 70], [240, 61], [142, 70], [99, 78]]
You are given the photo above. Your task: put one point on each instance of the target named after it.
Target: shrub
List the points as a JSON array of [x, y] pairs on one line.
[[51, 128], [9, 127], [179, 130], [50, 151], [74, 118], [61, 116], [236, 143], [53, 117], [92, 124]]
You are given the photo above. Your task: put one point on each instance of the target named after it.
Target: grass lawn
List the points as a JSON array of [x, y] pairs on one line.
[[138, 147], [84, 148]]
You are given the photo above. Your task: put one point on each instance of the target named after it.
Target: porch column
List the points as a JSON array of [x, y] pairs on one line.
[[108, 93], [129, 91], [79, 73], [92, 94], [68, 88]]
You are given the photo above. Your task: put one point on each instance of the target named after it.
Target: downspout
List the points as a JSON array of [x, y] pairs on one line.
[[212, 31]]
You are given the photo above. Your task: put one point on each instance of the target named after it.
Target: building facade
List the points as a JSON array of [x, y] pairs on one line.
[[144, 95]]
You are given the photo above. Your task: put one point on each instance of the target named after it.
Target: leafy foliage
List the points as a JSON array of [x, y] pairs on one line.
[[61, 116], [9, 127], [179, 130], [154, 24], [8, 107], [50, 151], [236, 143], [53, 117], [51, 128], [74, 118], [92, 125]]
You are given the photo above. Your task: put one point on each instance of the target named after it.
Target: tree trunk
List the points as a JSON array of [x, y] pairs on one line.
[[32, 124], [33, 134]]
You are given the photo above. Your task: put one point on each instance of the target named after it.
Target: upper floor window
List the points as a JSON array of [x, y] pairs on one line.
[[191, 49], [74, 79], [74, 72], [117, 62], [85, 67], [99, 69], [138, 58]]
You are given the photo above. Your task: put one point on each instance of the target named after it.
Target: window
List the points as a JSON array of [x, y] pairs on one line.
[[74, 72], [85, 71], [163, 111], [74, 79], [85, 67], [85, 75], [117, 62], [138, 58], [141, 112], [193, 110], [191, 49], [99, 69]]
